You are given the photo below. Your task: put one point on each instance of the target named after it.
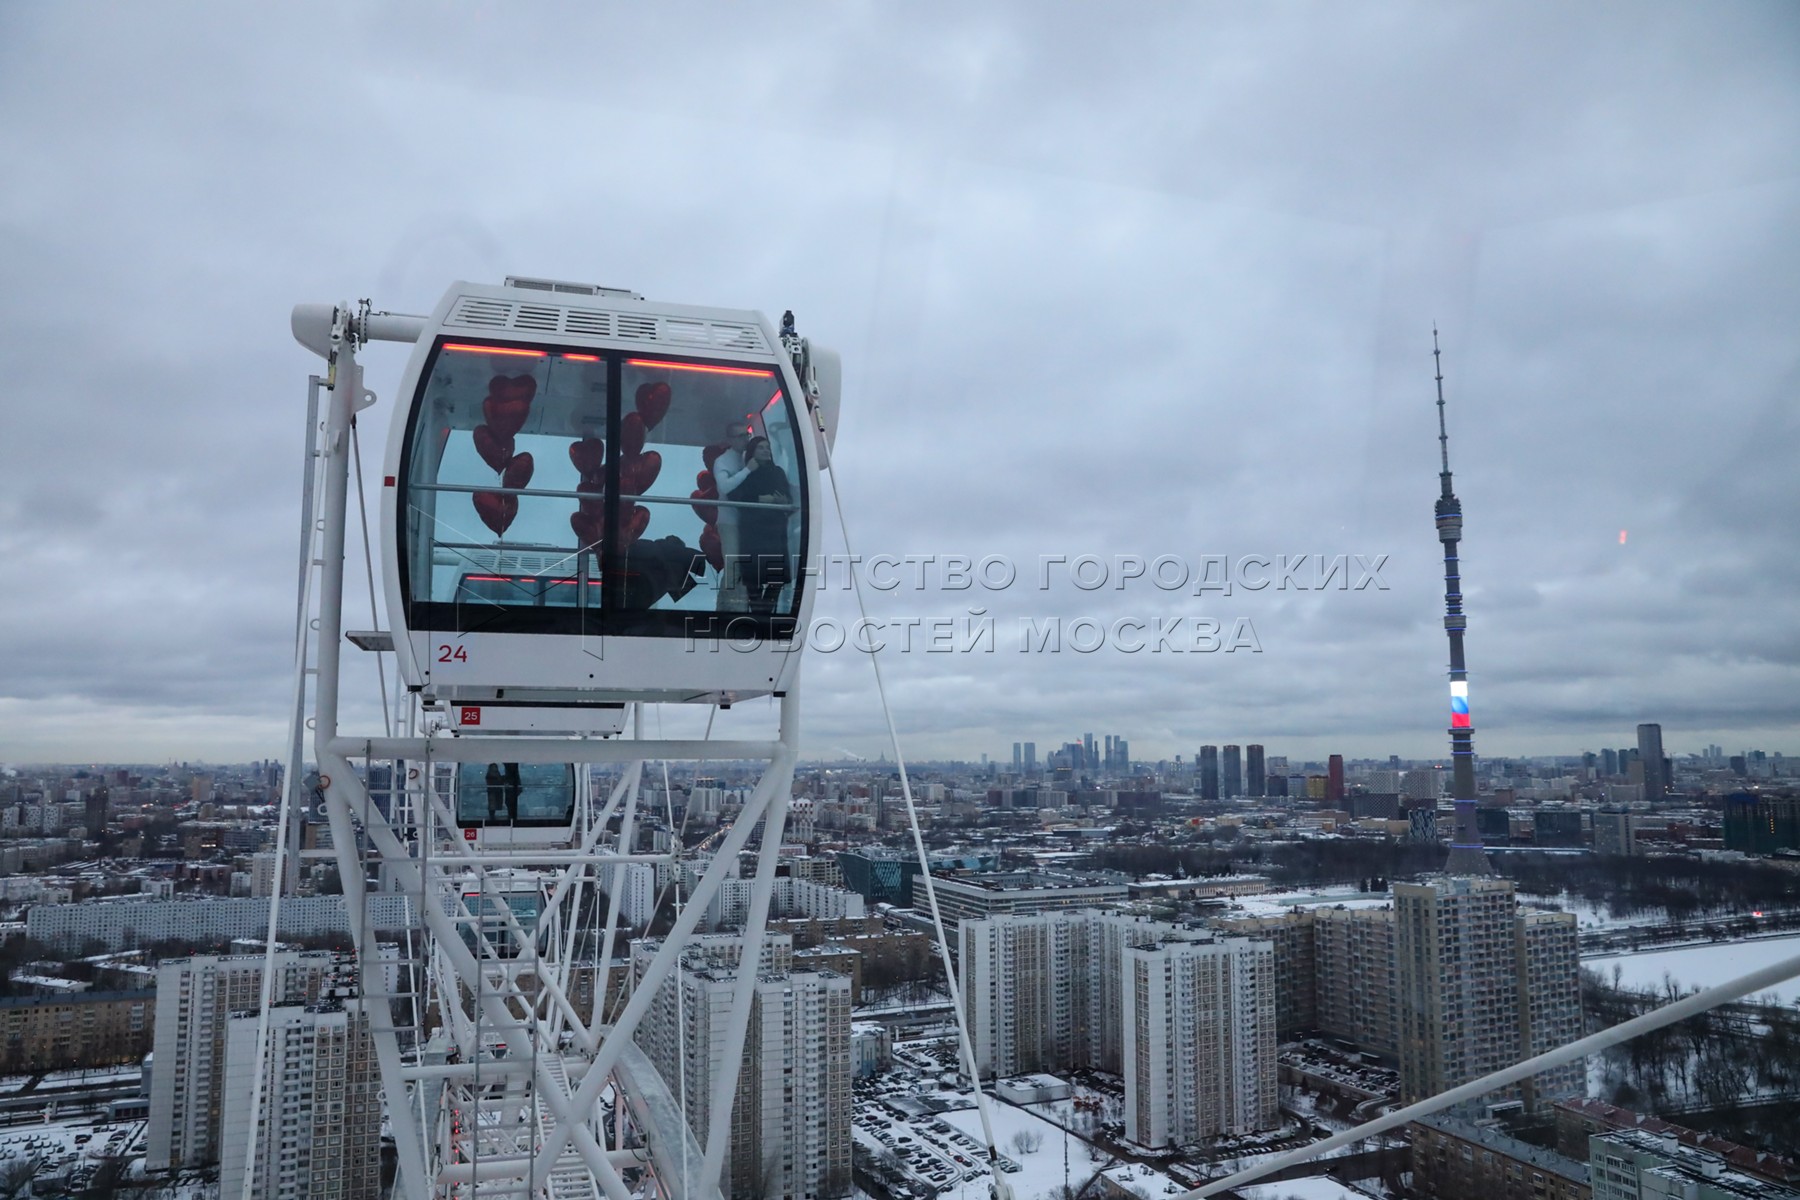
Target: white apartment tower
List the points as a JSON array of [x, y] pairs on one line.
[[637, 894], [318, 1128], [1187, 1019], [1199, 1041], [195, 998], [790, 1121]]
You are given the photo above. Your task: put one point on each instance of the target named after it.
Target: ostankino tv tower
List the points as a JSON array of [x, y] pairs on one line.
[[1467, 857]]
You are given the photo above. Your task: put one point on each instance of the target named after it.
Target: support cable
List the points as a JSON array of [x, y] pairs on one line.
[[291, 778], [912, 816]]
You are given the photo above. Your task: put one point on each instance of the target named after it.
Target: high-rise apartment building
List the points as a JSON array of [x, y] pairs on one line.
[[1422, 783], [1031, 758], [1480, 986], [1356, 973], [1209, 772], [1027, 989], [1334, 779], [1650, 753], [1233, 781], [1018, 758], [1049, 992], [1615, 831], [1547, 951], [1199, 1041], [1253, 769], [318, 1126], [1296, 984], [195, 998], [790, 1120]]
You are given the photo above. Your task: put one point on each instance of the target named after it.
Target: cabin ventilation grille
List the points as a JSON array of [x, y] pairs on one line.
[[480, 312]]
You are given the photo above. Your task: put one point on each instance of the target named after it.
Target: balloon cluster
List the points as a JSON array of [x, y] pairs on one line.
[[638, 469], [507, 405], [708, 489]]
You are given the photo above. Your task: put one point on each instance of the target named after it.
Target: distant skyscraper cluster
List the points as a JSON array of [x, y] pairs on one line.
[[1110, 755]]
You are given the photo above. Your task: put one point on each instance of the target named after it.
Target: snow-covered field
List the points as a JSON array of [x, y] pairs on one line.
[[1694, 967], [1311, 1188], [1041, 1170]]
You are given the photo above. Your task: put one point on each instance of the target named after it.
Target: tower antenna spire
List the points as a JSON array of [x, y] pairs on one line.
[[1437, 362], [1467, 856]]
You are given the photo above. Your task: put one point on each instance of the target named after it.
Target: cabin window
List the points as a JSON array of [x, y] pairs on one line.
[[568, 491], [523, 794]]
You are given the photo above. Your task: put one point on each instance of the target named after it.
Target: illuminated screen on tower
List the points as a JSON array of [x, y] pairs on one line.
[[1459, 705]]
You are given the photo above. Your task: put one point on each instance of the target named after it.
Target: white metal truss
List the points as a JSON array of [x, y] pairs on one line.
[[495, 1082]]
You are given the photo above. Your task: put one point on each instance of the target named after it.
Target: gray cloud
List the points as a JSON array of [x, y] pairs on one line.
[[1150, 285]]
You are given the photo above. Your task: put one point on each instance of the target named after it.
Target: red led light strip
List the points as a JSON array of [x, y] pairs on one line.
[[512, 350], [674, 366]]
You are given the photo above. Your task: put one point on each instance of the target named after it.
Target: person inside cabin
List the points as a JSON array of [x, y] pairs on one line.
[[762, 533], [496, 791], [510, 788], [731, 465]]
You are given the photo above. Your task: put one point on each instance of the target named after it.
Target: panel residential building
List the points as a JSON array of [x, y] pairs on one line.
[[195, 998], [1199, 1041], [318, 1127]]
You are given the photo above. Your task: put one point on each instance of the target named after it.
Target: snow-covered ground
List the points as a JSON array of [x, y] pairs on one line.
[[1693, 967], [1311, 1188], [1040, 1170], [59, 1146], [1275, 904]]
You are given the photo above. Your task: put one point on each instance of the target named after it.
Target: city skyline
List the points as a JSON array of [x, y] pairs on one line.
[[1081, 313]]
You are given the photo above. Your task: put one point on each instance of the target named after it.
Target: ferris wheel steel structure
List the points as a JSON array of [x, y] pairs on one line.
[[534, 652]]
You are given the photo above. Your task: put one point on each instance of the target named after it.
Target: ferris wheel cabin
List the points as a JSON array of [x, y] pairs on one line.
[[590, 498]]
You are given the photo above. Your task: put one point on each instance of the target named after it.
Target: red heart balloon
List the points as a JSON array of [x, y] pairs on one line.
[[710, 546], [638, 472], [496, 511], [706, 483], [710, 454], [633, 519], [588, 455], [631, 434], [653, 403], [594, 486], [496, 451], [505, 416], [513, 387], [518, 472], [707, 513], [587, 528]]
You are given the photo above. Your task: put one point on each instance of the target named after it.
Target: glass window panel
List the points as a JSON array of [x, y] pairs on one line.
[[697, 425], [515, 794], [491, 483], [701, 426]]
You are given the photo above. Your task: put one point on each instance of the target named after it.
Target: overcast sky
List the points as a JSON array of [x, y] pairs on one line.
[[1120, 280]]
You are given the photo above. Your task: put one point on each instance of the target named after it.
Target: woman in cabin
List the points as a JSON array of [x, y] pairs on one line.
[[762, 533]]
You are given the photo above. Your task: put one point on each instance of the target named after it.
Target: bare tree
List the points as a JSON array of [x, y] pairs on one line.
[[1027, 1141], [16, 1176]]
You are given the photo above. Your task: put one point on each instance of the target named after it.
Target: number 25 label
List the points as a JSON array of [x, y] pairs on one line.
[[448, 653]]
